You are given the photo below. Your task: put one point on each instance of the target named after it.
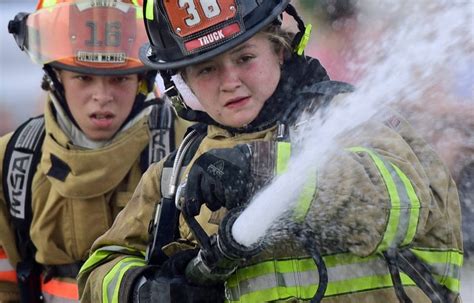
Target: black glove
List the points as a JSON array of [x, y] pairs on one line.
[[219, 178], [168, 284]]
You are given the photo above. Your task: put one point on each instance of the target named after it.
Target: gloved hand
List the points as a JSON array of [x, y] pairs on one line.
[[219, 178], [168, 284]]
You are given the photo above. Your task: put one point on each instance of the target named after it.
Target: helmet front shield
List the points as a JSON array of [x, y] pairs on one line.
[[99, 37]]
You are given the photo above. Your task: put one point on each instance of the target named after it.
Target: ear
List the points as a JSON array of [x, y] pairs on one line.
[[281, 56]]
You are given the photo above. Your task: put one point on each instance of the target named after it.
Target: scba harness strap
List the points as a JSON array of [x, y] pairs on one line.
[[22, 155], [21, 160]]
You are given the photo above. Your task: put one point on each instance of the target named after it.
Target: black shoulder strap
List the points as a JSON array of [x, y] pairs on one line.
[[163, 228], [22, 156], [162, 141], [406, 261]]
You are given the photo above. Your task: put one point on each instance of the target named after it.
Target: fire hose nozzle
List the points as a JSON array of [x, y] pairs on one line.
[[216, 264]]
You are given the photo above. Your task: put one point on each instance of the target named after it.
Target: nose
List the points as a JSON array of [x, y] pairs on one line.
[[103, 92], [230, 78]]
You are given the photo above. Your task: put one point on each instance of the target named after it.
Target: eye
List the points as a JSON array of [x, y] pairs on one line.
[[205, 70], [245, 58], [120, 79], [83, 78]]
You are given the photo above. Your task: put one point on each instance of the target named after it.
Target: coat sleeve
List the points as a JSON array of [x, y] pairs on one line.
[[385, 187], [8, 252], [117, 256]]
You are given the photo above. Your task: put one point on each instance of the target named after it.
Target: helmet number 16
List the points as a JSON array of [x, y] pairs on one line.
[[209, 7]]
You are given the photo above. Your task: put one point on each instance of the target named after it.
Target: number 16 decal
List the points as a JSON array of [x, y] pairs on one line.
[[190, 16]]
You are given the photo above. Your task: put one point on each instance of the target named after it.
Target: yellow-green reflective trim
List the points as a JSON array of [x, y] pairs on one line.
[[48, 3], [115, 275], [306, 197], [267, 267], [149, 12], [452, 284], [104, 252], [364, 284], [452, 256], [306, 292], [394, 216], [453, 259], [283, 156], [95, 259], [414, 209], [337, 284]]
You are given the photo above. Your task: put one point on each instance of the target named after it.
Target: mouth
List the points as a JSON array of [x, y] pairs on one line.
[[236, 102], [102, 119], [102, 116]]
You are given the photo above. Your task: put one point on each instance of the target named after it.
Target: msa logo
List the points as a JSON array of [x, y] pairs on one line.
[[17, 182], [159, 144]]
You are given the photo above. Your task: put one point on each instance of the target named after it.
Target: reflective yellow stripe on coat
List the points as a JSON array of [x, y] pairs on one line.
[[113, 279], [347, 273]]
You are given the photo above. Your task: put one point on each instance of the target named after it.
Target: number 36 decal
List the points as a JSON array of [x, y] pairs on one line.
[[191, 16]]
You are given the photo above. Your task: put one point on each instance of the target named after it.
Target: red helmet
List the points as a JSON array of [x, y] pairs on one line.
[[190, 31], [86, 36]]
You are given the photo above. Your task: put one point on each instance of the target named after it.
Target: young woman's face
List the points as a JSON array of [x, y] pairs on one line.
[[233, 87], [99, 104]]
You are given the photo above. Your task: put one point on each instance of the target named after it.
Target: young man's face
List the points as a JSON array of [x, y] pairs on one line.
[[99, 104], [233, 87]]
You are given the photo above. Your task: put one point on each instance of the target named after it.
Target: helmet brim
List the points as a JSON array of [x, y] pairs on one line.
[[146, 51]]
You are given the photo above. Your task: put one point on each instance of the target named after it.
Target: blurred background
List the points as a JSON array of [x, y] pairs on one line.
[[20, 92]]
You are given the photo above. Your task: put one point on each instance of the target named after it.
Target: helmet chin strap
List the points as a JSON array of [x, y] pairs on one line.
[[57, 89]]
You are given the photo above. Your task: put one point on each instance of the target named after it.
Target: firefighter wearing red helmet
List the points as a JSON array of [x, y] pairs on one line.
[[68, 173], [378, 222]]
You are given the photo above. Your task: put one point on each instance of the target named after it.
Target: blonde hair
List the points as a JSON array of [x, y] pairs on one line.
[[280, 38]]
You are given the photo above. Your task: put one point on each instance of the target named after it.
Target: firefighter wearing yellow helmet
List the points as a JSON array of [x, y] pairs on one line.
[[68, 173]]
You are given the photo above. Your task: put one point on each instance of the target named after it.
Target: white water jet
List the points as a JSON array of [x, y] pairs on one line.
[[421, 47]]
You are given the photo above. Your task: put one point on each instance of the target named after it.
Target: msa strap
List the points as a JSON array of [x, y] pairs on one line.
[[160, 122], [163, 227], [21, 160]]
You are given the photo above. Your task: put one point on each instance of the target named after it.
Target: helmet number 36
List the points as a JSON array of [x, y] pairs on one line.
[[210, 9]]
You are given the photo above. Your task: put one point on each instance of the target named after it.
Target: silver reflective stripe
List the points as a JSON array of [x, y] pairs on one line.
[[119, 249], [441, 269], [405, 206], [48, 298], [373, 267], [5, 266], [31, 134], [111, 286]]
